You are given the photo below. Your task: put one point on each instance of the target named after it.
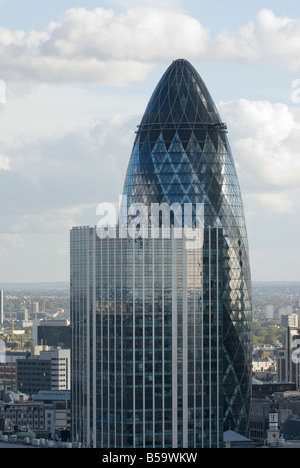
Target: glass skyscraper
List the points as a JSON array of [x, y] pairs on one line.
[[161, 352]]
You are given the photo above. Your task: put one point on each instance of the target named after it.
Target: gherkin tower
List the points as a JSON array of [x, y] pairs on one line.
[[161, 345], [181, 154]]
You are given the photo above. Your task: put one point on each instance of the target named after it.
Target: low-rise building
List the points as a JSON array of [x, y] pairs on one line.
[[57, 410], [20, 413], [46, 369], [46, 413]]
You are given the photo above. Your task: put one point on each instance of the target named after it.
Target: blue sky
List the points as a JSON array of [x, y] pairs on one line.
[[78, 77]]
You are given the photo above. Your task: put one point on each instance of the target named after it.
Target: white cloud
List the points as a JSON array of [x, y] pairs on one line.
[[265, 140], [10, 241], [83, 167], [171, 4], [42, 110], [53, 221], [243, 45], [266, 143], [279, 38], [4, 163], [101, 45], [269, 40], [276, 202]]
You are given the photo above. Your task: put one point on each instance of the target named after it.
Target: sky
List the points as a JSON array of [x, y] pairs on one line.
[[75, 79]]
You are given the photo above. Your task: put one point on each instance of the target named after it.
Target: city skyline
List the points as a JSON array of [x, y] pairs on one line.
[[67, 100]]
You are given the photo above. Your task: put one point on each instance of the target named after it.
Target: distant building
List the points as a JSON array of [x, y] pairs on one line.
[[8, 368], [234, 440], [47, 413], [20, 413], [288, 366], [264, 369], [33, 375], [8, 375], [291, 431], [60, 367], [290, 320], [50, 370], [287, 406], [281, 311], [57, 409], [35, 308], [269, 312], [263, 365], [263, 390], [52, 333], [273, 431], [22, 314]]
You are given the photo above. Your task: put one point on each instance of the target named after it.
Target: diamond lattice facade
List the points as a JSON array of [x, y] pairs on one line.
[[182, 154]]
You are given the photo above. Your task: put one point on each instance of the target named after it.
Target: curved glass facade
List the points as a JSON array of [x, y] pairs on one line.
[[181, 154]]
